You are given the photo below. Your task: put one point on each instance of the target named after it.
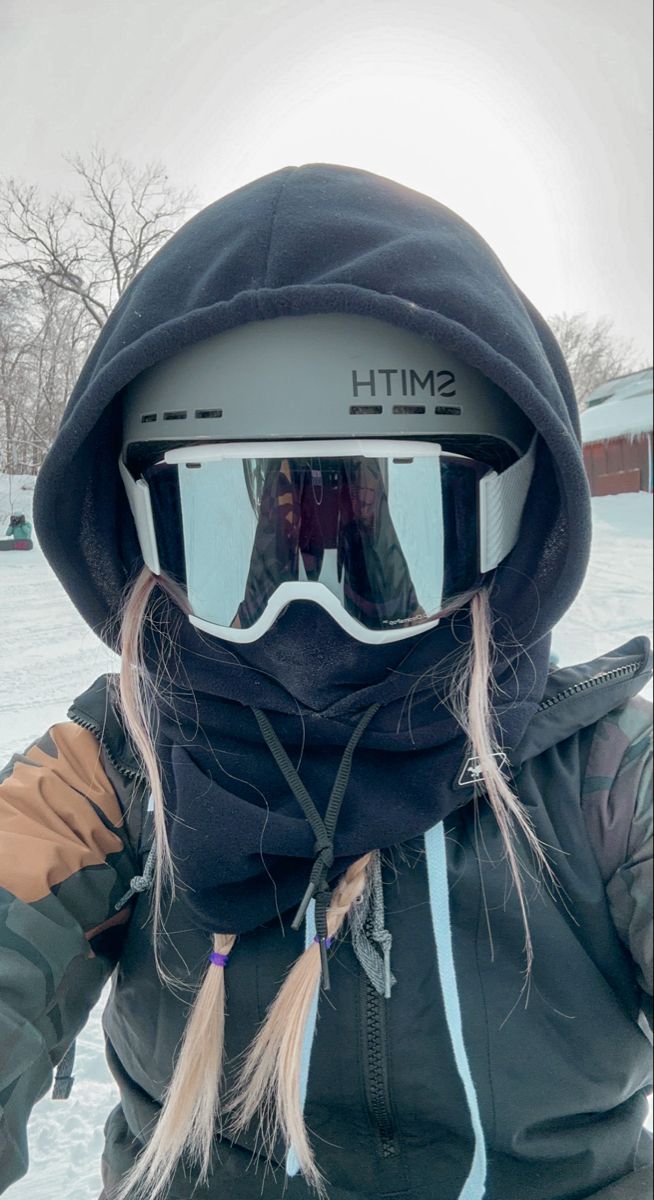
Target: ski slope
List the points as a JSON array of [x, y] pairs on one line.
[[48, 655]]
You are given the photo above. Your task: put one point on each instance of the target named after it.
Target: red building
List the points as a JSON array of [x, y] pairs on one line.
[[616, 428]]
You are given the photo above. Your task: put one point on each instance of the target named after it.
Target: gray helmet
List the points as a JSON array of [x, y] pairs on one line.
[[321, 376], [336, 381]]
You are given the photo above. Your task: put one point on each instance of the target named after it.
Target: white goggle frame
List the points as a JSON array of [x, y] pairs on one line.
[[501, 501]]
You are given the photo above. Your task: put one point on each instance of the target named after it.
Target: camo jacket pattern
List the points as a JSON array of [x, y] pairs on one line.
[[72, 809]]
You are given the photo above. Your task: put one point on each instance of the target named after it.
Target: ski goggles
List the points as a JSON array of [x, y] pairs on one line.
[[385, 535]]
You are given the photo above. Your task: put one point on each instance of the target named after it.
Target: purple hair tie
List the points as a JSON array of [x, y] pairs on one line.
[[218, 959], [328, 941]]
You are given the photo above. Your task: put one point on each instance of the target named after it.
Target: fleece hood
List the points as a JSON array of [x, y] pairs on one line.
[[320, 238], [252, 839]]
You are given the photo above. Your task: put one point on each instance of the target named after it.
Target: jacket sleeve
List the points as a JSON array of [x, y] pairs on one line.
[[619, 776], [65, 861]]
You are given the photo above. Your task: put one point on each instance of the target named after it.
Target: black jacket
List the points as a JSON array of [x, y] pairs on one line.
[[562, 1079]]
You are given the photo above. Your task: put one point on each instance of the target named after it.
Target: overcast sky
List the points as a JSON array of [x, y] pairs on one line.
[[531, 118]]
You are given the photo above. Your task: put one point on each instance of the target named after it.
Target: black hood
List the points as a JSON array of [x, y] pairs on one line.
[[315, 239]]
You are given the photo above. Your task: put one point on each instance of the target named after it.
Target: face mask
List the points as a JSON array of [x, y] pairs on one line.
[[316, 661]]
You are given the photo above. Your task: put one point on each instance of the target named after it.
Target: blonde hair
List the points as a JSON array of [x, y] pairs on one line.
[[269, 1084]]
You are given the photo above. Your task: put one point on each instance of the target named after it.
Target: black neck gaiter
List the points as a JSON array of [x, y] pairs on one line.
[[242, 847]]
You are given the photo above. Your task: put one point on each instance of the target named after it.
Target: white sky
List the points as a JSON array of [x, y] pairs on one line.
[[531, 118]]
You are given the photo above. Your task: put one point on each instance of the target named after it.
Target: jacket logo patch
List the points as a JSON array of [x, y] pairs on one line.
[[472, 771]]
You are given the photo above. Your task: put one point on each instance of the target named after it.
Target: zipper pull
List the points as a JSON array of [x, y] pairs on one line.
[[324, 965], [388, 981], [304, 904]]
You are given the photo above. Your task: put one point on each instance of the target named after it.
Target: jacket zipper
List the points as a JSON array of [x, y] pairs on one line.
[[64, 1079], [73, 715], [585, 685], [377, 1066]]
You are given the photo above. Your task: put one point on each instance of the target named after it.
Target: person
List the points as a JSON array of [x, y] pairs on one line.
[[371, 882], [18, 527], [20, 531]]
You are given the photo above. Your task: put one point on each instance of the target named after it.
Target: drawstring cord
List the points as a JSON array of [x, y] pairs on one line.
[[323, 830], [140, 883], [377, 969]]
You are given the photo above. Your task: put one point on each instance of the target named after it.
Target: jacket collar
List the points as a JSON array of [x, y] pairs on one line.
[[576, 697]]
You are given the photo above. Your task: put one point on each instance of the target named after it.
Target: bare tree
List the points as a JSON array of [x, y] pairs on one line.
[[64, 261], [17, 339], [90, 244], [593, 351], [42, 347], [59, 351]]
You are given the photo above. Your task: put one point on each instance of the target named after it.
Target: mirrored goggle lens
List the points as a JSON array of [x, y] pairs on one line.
[[393, 539]]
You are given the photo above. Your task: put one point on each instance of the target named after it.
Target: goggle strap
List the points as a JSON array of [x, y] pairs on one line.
[[501, 503], [138, 495]]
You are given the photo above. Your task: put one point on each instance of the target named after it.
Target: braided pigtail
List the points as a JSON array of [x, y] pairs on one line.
[[274, 1074], [187, 1122]]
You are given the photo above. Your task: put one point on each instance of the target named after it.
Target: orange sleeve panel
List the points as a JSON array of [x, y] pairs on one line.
[[65, 858], [58, 813]]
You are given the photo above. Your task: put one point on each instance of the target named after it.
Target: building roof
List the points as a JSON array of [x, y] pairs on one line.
[[635, 383], [619, 407]]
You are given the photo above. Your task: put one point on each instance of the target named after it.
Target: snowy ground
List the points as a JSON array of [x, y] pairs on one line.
[[615, 603], [48, 655]]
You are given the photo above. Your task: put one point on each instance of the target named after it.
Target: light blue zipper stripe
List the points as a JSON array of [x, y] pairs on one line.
[[439, 897], [292, 1164]]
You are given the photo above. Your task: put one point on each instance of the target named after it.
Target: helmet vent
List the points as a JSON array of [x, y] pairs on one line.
[[416, 410], [178, 414], [148, 418], [204, 414], [447, 410], [365, 410]]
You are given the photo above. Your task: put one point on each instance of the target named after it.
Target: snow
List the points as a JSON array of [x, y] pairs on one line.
[[46, 650], [617, 418], [615, 603], [48, 655]]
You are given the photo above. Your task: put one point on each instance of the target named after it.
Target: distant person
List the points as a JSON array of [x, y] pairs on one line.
[[20, 531], [372, 883]]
